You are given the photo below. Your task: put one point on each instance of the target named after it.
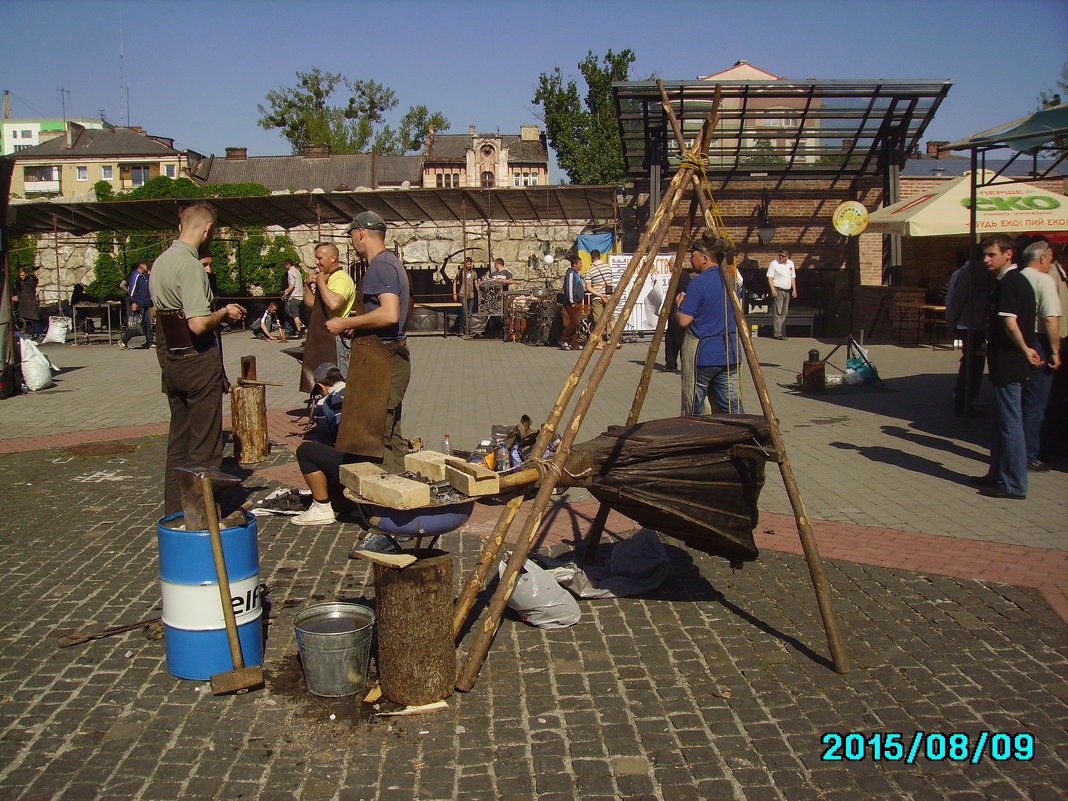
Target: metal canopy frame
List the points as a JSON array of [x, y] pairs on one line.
[[549, 205], [780, 128], [1027, 137]]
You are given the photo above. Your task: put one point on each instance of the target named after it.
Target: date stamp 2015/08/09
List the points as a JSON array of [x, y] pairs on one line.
[[931, 746]]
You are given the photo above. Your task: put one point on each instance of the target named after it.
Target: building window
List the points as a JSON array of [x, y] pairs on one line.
[[82, 173], [456, 180], [533, 179], [40, 174], [170, 170], [518, 180], [487, 180], [140, 176], [440, 180], [105, 172], [27, 134]]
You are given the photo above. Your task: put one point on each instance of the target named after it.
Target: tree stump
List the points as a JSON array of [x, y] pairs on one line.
[[248, 423], [416, 652]]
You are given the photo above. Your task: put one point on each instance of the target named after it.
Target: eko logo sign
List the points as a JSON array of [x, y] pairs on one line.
[[1013, 203]]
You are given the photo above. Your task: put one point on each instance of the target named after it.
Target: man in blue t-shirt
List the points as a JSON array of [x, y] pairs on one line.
[[386, 301], [707, 311]]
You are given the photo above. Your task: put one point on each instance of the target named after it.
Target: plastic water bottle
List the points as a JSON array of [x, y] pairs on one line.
[[446, 446], [501, 459]]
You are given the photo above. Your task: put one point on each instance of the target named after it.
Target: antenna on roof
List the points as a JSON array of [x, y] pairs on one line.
[[124, 112], [63, 103]]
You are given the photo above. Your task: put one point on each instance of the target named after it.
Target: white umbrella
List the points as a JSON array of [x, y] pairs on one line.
[[1000, 208]]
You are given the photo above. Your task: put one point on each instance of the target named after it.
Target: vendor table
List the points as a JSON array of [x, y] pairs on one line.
[[919, 317], [446, 309], [86, 310]]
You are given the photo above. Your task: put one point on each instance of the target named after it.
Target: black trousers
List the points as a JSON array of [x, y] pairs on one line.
[[970, 372]]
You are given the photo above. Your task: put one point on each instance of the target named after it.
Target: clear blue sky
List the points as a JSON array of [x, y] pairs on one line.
[[196, 70]]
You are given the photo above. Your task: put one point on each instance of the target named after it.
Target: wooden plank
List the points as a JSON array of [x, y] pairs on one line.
[[395, 492], [353, 475], [427, 463], [397, 560], [471, 479]]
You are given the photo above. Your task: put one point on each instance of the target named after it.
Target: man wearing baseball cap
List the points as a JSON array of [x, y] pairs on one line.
[[386, 301], [707, 312]]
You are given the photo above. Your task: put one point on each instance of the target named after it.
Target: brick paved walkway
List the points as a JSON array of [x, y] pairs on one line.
[[715, 687]]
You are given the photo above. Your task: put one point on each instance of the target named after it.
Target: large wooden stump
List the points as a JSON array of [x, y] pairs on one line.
[[248, 423], [416, 653]]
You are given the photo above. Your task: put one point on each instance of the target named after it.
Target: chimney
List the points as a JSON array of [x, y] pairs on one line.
[[529, 133], [236, 153], [471, 129], [934, 148], [320, 151], [428, 143]]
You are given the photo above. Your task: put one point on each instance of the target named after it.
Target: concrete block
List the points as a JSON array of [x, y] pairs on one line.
[[471, 479], [427, 463], [353, 475]]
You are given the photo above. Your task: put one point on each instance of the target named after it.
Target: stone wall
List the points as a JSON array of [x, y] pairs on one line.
[[421, 247]]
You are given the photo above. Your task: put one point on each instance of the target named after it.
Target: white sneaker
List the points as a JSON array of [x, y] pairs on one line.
[[318, 514]]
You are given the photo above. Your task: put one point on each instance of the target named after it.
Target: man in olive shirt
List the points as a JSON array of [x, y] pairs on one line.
[[188, 351]]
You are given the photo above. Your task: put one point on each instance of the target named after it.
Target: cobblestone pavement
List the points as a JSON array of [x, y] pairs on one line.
[[715, 687]]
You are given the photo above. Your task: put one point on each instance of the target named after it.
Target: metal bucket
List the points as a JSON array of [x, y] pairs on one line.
[[194, 632], [334, 641]]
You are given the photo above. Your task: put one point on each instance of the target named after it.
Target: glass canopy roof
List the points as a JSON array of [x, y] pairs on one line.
[[778, 128]]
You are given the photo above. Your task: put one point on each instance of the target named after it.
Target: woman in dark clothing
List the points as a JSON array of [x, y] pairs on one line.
[[29, 310]]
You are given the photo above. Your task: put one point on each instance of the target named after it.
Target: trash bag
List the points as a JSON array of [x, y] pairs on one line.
[[134, 326], [58, 328], [540, 601], [634, 566], [36, 368]]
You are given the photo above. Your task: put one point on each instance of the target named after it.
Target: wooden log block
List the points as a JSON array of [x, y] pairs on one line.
[[471, 479], [427, 463], [248, 423], [353, 475], [395, 492], [416, 652]]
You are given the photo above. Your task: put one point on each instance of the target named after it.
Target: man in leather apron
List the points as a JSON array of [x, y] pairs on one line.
[[188, 350]]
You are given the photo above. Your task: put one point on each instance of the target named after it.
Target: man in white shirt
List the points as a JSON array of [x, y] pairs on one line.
[[783, 284], [294, 296], [1038, 257]]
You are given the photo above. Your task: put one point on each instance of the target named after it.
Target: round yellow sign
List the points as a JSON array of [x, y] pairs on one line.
[[850, 218]]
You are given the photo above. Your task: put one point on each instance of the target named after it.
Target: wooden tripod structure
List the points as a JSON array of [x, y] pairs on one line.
[[638, 269]]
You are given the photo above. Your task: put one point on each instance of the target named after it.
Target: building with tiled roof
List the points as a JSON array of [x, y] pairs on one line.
[[69, 165], [486, 159], [316, 168]]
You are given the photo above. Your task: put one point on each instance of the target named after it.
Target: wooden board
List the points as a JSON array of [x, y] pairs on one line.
[[353, 475], [395, 492]]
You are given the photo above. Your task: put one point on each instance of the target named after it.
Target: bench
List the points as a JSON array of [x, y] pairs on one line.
[[797, 317]]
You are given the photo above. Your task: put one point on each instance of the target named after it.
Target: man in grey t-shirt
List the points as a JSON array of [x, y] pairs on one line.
[[294, 296]]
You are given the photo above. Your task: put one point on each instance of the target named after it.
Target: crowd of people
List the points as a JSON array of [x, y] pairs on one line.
[[1008, 311]]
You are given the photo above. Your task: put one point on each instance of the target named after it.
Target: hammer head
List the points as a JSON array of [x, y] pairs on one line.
[[237, 681], [192, 492]]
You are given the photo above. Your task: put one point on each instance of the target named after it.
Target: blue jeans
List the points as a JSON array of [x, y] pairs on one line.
[[1008, 455], [468, 306], [1035, 394], [723, 380]]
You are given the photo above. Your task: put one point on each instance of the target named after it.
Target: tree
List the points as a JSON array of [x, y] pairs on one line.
[[584, 132], [306, 116]]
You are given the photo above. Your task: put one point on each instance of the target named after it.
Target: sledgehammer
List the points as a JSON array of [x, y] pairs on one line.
[[241, 679]]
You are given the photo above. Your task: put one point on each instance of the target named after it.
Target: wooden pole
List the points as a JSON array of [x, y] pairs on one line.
[[486, 560], [804, 526], [593, 537], [650, 244]]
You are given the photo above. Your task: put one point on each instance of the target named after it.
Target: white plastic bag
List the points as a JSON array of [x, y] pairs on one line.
[[58, 328], [540, 601], [36, 368], [634, 566]]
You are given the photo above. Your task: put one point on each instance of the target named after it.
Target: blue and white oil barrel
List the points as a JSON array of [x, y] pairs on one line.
[[194, 632]]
